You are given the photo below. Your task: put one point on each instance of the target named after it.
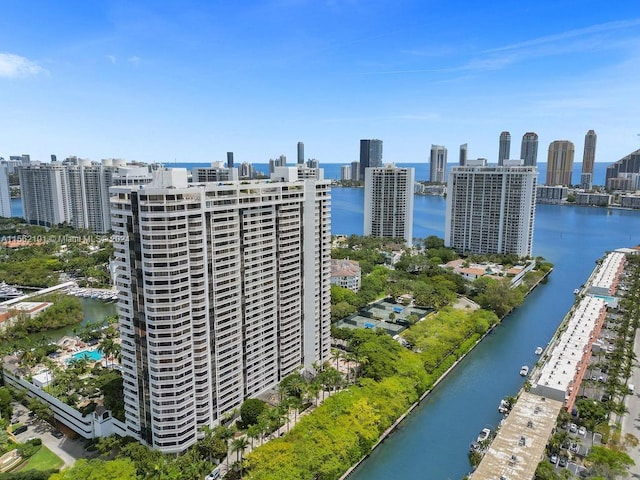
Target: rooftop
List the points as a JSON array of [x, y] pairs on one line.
[[520, 443]]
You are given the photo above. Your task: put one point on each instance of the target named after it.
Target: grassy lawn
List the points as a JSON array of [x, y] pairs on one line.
[[44, 459]]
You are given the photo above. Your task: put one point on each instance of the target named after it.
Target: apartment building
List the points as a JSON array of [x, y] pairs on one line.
[[491, 209], [388, 202], [224, 289], [75, 191]]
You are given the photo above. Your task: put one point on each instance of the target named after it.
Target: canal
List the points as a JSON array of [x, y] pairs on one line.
[[433, 442], [93, 311]]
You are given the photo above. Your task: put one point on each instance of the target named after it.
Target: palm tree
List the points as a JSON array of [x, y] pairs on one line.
[[238, 445], [107, 347], [253, 432], [224, 434]]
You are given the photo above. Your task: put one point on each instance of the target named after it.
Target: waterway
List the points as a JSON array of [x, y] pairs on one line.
[[93, 311], [433, 442]]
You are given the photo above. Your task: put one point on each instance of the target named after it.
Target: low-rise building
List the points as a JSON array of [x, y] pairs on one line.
[[346, 273], [593, 199], [551, 194], [630, 201], [606, 278]]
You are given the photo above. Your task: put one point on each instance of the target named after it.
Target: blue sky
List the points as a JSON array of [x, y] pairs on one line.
[[188, 81]]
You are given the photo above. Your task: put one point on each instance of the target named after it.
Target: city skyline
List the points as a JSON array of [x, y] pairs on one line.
[[165, 82]]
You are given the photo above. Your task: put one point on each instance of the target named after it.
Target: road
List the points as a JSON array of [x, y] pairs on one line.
[[67, 449], [631, 420]]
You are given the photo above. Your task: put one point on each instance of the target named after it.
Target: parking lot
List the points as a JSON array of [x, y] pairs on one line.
[[67, 449]]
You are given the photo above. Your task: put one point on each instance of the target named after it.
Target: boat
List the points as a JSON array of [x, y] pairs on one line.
[[483, 435], [538, 351], [504, 406], [576, 291], [8, 292], [524, 371]]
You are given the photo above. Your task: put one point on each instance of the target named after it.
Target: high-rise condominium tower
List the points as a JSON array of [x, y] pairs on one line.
[[438, 164], [300, 153], [229, 159], [491, 209], [45, 194], [560, 163], [224, 289], [463, 154], [355, 171], [75, 191], [504, 149], [388, 202], [589, 155], [5, 196], [370, 155], [529, 149]]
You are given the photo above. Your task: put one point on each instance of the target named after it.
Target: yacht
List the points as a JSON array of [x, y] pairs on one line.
[[524, 371], [483, 435], [538, 351], [504, 406], [7, 291]]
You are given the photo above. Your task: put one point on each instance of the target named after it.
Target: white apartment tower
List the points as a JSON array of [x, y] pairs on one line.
[[75, 191], [45, 194], [491, 209], [5, 194], [388, 202], [224, 289]]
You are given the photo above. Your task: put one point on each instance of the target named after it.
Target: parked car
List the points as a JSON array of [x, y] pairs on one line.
[[57, 434], [562, 462], [553, 458], [582, 431], [20, 429], [575, 448], [573, 428]]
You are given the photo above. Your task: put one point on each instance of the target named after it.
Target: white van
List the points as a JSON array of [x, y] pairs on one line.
[[631, 387]]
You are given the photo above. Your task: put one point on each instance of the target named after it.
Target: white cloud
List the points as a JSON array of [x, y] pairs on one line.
[[135, 60], [563, 36], [112, 58], [15, 66]]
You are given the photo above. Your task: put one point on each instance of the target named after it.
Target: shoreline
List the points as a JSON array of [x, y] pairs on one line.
[[414, 405]]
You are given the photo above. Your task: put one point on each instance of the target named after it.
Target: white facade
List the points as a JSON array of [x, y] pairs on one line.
[[388, 202], [491, 209], [75, 191], [5, 196], [223, 291], [45, 194], [606, 278], [217, 172]]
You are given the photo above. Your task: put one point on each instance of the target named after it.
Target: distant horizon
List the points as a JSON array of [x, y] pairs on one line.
[[289, 163]]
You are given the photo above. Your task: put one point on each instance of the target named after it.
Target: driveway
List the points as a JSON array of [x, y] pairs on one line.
[[67, 449]]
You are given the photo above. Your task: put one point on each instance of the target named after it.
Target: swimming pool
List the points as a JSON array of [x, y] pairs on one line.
[[91, 355]]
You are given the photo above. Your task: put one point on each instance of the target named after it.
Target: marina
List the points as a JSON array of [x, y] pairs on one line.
[[95, 293]]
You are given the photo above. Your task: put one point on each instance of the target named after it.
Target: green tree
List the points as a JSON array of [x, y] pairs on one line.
[[546, 471], [609, 463], [118, 469], [250, 410]]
